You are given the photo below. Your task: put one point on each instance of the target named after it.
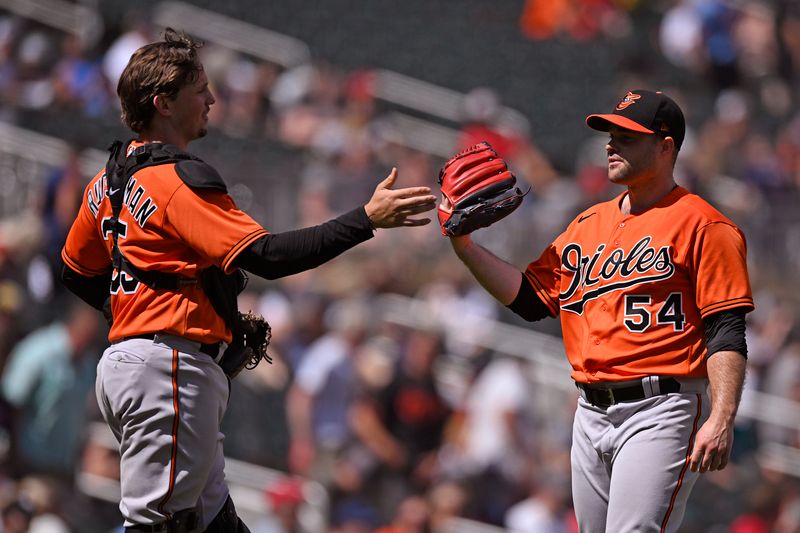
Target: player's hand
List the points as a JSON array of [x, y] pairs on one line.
[[712, 446], [390, 208]]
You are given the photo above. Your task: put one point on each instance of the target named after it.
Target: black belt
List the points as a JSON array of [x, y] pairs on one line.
[[601, 395], [211, 350]]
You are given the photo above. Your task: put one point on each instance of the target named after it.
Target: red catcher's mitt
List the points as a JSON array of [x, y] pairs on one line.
[[477, 189]]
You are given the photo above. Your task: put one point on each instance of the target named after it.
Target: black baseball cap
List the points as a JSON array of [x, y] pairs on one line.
[[646, 112]]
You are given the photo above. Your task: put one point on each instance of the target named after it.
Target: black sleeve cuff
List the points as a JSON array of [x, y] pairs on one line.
[[358, 220], [725, 331], [527, 304]]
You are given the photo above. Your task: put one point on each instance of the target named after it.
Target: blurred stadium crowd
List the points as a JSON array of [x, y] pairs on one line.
[[407, 428]]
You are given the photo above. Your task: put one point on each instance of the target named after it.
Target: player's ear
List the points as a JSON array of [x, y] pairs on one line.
[[668, 146], [162, 104], [670, 149]]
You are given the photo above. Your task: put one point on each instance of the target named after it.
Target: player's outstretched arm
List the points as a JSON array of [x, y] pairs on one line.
[[282, 254], [500, 279], [392, 208], [712, 447]]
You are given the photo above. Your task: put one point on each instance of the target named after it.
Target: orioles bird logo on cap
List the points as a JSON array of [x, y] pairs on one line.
[[628, 100]]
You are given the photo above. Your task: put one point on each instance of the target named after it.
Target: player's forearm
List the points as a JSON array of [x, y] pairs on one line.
[[282, 254], [500, 279], [726, 370]]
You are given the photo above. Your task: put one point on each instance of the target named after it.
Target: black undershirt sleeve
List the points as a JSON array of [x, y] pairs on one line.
[[94, 290], [725, 331], [527, 304], [282, 254]]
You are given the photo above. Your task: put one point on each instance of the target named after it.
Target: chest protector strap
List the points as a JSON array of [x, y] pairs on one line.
[[119, 170]]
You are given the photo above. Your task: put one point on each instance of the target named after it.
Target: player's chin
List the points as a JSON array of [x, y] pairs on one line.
[[202, 132], [617, 174]]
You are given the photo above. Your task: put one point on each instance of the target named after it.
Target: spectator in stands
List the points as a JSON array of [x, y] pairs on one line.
[[318, 400], [32, 87], [48, 379], [481, 109], [485, 443], [136, 32], [345, 139], [301, 310], [78, 81], [483, 121], [402, 423], [681, 36], [718, 19], [242, 93], [304, 98]]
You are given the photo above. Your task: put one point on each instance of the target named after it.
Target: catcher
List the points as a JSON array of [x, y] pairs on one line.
[[160, 247], [652, 291]]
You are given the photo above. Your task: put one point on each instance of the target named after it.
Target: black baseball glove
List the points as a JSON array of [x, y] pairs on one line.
[[248, 347]]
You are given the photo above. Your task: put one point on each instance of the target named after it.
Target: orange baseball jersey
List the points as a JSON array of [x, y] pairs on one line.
[[632, 290], [168, 227]]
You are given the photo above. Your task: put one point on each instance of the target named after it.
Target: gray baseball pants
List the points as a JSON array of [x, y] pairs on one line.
[[630, 461], [164, 401]]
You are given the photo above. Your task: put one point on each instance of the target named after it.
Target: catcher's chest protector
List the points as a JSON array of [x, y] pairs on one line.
[[222, 289]]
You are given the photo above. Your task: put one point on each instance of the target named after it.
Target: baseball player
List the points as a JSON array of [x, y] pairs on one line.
[[652, 290], [159, 385]]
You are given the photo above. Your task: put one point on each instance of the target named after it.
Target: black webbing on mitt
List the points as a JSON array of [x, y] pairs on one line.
[[251, 338]]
